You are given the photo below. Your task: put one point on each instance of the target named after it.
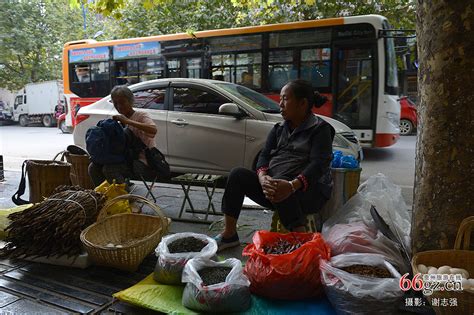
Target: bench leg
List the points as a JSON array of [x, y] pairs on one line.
[[210, 204], [149, 188], [186, 198]]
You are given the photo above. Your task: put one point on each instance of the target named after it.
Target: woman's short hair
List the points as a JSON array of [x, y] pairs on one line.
[[303, 89], [122, 91]]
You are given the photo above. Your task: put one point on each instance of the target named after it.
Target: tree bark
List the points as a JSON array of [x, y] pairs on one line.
[[444, 181]]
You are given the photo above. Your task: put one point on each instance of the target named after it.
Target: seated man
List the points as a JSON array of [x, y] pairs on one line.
[[142, 127]]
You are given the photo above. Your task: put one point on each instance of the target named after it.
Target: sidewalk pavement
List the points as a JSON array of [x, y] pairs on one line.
[[169, 199]]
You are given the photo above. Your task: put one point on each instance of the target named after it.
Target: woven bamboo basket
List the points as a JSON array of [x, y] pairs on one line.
[[133, 235], [44, 176], [80, 170], [460, 257]]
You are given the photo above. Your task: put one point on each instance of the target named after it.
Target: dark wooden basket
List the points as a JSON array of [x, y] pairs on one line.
[[44, 176]]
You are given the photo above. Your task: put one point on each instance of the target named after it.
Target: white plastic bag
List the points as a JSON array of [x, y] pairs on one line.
[[230, 296], [169, 266], [355, 294], [387, 198], [357, 237]]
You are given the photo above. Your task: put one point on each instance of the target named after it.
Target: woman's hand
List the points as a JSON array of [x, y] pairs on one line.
[[283, 190], [268, 186], [121, 118]]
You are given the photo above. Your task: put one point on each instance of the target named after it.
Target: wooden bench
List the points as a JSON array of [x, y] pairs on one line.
[[209, 182]]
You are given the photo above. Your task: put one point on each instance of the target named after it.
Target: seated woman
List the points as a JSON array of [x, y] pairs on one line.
[[142, 127], [293, 170]]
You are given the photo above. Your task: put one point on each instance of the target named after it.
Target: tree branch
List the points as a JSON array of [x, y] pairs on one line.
[[10, 67]]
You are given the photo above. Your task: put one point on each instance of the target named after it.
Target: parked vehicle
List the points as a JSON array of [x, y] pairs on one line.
[[38, 103], [408, 116], [206, 125], [3, 111]]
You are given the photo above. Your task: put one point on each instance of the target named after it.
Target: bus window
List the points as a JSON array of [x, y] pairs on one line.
[[193, 68], [132, 71], [354, 90], [173, 68], [221, 67], [301, 38], [138, 70], [244, 69], [151, 69], [90, 80], [391, 77], [281, 68], [100, 71], [235, 43], [248, 70], [315, 66], [82, 74]]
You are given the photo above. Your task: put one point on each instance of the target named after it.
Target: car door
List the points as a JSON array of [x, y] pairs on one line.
[[199, 139], [154, 101]]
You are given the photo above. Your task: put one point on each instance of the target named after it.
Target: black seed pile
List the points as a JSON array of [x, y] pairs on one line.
[[213, 275], [186, 245]]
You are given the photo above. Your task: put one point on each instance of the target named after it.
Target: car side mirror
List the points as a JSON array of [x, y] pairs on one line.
[[230, 109]]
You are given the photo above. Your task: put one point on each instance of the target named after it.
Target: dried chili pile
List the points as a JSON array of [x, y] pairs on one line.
[[53, 226]]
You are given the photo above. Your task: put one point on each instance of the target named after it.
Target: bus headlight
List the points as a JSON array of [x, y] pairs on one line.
[[394, 119]]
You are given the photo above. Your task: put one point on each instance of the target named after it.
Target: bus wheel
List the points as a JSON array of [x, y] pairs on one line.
[[48, 121], [406, 127], [63, 127], [23, 121]]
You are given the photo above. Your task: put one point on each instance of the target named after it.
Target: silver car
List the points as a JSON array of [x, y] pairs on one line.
[[206, 126]]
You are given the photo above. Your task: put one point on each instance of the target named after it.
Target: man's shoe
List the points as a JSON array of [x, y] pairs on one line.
[[223, 243]]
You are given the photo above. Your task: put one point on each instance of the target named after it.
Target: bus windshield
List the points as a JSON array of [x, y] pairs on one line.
[[254, 99]]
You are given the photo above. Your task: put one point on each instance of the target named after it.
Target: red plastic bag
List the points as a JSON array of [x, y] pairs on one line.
[[289, 276]]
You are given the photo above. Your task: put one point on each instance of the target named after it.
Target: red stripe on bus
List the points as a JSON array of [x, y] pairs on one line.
[[385, 139]]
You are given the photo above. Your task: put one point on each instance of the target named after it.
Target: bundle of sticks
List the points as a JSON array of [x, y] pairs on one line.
[[53, 226]]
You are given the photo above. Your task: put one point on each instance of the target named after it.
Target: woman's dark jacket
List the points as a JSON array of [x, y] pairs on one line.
[[304, 153]]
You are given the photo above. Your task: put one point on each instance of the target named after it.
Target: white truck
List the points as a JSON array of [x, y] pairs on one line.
[[36, 103]]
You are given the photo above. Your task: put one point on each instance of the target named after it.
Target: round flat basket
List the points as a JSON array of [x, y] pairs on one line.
[[458, 258], [122, 241]]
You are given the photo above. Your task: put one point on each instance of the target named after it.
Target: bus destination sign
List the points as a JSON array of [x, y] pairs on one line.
[[89, 54], [135, 50]]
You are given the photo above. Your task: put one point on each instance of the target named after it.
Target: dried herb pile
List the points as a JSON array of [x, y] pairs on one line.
[[282, 247], [368, 271], [53, 226]]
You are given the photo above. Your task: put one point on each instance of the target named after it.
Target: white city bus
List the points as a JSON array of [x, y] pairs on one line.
[[349, 59]]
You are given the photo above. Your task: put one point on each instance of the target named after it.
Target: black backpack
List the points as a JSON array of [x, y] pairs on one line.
[[106, 143]]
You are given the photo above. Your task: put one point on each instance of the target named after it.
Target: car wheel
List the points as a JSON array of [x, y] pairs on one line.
[[63, 127], [406, 127], [48, 121], [23, 121]]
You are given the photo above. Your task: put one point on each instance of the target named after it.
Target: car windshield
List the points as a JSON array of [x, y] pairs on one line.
[[254, 99]]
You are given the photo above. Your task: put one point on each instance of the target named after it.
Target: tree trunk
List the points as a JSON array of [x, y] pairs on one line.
[[444, 181]]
